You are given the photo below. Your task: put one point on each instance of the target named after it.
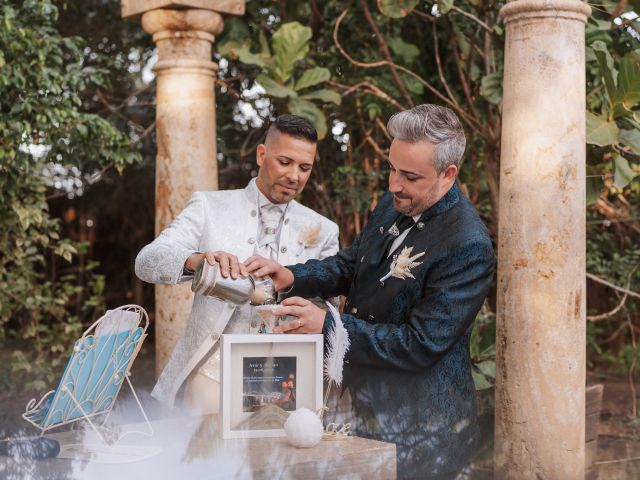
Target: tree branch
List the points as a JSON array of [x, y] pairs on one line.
[[472, 17], [383, 127], [611, 313], [471, 121], [626, 291], [115, 108], [386, 53], [376, 147], [426, 16], [436, 48], [367, 87], [463, 79]]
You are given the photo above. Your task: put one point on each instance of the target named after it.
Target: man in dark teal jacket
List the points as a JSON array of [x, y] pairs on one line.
[[415, 279]]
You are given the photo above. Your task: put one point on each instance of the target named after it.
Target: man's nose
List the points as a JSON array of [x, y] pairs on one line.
[[395, 186], [292, 173]]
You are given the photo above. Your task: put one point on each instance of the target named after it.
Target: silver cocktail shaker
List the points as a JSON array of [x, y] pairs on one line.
[[208, 281]]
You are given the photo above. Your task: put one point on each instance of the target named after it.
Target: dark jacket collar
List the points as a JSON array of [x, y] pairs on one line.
[[447, 202]]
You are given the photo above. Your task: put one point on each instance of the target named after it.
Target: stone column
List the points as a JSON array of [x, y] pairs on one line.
[[185, 127], [541, 330]]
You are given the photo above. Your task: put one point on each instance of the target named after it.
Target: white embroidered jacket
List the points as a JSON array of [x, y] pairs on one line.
[[228, 221]]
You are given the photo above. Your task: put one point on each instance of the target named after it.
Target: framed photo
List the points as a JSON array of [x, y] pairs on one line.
[[264, 377]]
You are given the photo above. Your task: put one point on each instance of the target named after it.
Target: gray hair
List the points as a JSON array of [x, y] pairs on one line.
[[436, 125]]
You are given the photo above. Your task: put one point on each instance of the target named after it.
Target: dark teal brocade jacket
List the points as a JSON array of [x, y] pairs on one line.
[[408, 368]]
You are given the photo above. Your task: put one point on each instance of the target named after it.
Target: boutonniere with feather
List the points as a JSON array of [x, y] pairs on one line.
[[402, 264], [310, 236]]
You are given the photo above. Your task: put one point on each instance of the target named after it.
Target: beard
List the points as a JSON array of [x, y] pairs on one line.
[[282, 194], [411, 206], [403, 205]]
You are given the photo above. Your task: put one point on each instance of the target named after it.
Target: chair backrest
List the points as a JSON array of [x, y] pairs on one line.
[[100, 360]]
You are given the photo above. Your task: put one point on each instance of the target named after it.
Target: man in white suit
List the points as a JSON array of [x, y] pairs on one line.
[[227, 227]]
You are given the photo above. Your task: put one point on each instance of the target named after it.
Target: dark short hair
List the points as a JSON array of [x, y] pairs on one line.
[[295, 126]]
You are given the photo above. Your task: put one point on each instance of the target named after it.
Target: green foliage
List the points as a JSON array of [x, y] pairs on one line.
[[278, 64], [483, 349], [609, 343], [350, 186], [48, 80], [600, 131], [397, 8], [613, 122], [444, 6], [491, 88], [43, 127]]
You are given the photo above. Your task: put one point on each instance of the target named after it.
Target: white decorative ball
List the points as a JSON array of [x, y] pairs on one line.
[[303, 428]]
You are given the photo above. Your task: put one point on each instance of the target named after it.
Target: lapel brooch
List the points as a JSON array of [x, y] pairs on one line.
[[402, 264], [310, 236], [393, 230]]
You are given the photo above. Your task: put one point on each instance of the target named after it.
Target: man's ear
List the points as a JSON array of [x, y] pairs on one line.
[[449, 173], [261, 150]]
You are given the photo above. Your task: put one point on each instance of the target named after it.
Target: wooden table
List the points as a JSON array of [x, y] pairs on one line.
[[191, 449]]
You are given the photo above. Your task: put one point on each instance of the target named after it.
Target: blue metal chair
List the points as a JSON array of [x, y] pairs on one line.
[[100, 362]]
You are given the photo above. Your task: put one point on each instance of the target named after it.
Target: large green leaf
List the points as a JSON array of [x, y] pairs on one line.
[[462, 41], [607, 69], [480, 381], [290, 44], [373, 110], [397, 8], [600, 131], [624, 174], [598, 30], [236, 43], [629, 80], [273, 88], [444, 6], [631, 138], [407, 51], [491, 88], [229, 47], [246, 57], [240, 50], [325, 95], [308, 110], [313, 76], [412, 84], [488, 368]]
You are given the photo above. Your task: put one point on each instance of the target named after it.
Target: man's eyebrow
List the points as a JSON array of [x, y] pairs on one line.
[[405, 172]]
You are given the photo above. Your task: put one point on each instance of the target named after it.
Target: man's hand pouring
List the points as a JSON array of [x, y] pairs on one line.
[[310, 318], [259, 266]]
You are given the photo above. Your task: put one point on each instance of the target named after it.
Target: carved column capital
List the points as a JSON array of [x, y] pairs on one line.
[[516, 10], [162, 22], [183, 37]]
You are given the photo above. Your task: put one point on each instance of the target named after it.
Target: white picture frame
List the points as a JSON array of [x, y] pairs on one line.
[[254, 401]]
